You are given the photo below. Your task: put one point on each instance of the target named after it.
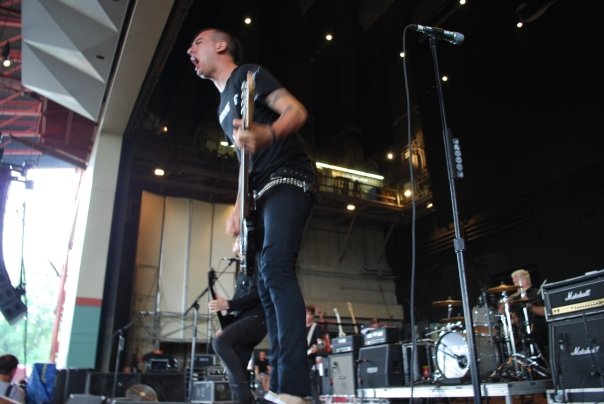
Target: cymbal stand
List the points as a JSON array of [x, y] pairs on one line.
[[528, 341], [509, 331], [490, 324]]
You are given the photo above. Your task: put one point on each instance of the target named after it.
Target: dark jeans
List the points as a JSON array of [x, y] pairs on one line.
[[282, 215], [235, 346]]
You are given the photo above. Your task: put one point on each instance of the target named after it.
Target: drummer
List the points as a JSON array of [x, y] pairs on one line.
[[528, 296]]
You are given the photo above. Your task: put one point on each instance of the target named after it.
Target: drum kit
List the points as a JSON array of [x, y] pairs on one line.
[[505, 347]]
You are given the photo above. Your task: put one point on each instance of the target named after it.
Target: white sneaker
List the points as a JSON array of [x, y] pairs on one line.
[[272, 397], [289, 399]]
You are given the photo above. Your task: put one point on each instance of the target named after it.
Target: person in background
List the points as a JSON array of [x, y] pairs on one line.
[[534, 305], [235, 343], [8, 368], [262, 371], [373, 324], [282, 175], [315, 344]]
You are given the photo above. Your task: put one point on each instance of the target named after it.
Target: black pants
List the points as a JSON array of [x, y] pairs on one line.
[[235, 346]]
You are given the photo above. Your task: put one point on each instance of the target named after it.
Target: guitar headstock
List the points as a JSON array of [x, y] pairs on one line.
[[211, 277], [248, 89]]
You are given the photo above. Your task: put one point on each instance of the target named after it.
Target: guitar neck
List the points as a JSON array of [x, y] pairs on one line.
[[246, 233], [222, 320], [341, 332], [354, 320]]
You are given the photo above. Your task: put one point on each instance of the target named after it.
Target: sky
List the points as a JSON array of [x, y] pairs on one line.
[[37, 226]]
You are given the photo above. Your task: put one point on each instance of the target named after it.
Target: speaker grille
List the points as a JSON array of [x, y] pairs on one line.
[[577, 351]]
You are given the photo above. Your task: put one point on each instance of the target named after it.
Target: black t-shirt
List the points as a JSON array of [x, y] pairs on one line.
[[262, 366], [287, 152], [539, 326]]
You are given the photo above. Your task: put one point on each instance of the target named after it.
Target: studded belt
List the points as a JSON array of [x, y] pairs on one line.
[[306, 186]]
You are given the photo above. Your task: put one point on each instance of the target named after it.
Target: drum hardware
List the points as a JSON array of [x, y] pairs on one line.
[[451, 320], [509, 330], [449, 303], [518, 364]]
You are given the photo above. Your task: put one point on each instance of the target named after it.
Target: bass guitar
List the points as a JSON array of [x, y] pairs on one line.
[[223, 320], [246, 198]]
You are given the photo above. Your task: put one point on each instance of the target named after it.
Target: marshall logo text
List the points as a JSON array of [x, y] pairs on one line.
[[577, 295]]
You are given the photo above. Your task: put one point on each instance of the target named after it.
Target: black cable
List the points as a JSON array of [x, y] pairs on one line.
[[596, 369], [413, 220]]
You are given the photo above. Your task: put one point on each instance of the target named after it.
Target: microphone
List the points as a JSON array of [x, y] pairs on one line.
[[454, 37], [230, 259]]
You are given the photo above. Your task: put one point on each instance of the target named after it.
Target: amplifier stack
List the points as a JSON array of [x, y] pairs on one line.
[[574, 309]]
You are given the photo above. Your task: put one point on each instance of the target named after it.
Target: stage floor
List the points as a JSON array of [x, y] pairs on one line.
[[507, 390]]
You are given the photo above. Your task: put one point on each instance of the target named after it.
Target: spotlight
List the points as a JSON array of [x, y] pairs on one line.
[[6, 62]]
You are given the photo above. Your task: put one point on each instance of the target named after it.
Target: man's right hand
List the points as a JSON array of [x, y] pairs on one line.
[[233, 223]]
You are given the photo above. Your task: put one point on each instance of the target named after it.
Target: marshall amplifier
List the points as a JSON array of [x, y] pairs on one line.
[[385, 335], [577, 352], [349, 343], [574, 297]]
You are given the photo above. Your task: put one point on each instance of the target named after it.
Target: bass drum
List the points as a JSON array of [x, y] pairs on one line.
[[451, 355], [452, 360]]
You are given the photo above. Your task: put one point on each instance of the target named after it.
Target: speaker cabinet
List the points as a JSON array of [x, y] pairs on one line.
[[85, 399], [381, 366], [68, 382], [210, 392], [101, 384], [577, 351], [343, 373]]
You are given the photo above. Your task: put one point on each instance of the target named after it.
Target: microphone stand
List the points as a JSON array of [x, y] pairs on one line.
[[195, 307], [458, 242], [121, 341]]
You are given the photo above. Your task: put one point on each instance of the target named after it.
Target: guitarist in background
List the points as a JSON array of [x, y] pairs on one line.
[[246, 328], [282, 178], [315, 338]]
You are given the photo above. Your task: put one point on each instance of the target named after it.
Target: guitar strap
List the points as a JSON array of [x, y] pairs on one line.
[[311, 331]]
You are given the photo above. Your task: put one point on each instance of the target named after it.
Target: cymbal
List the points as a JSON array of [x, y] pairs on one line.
[[446, 303], [523, 300], [502, 288], [450, 320]]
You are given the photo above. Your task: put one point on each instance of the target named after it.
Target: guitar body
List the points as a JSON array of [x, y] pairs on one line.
[[247, 250], [222, 319]]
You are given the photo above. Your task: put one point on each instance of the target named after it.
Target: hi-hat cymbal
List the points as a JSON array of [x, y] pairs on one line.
[[502, 288], [450, 320], [446, 303]]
